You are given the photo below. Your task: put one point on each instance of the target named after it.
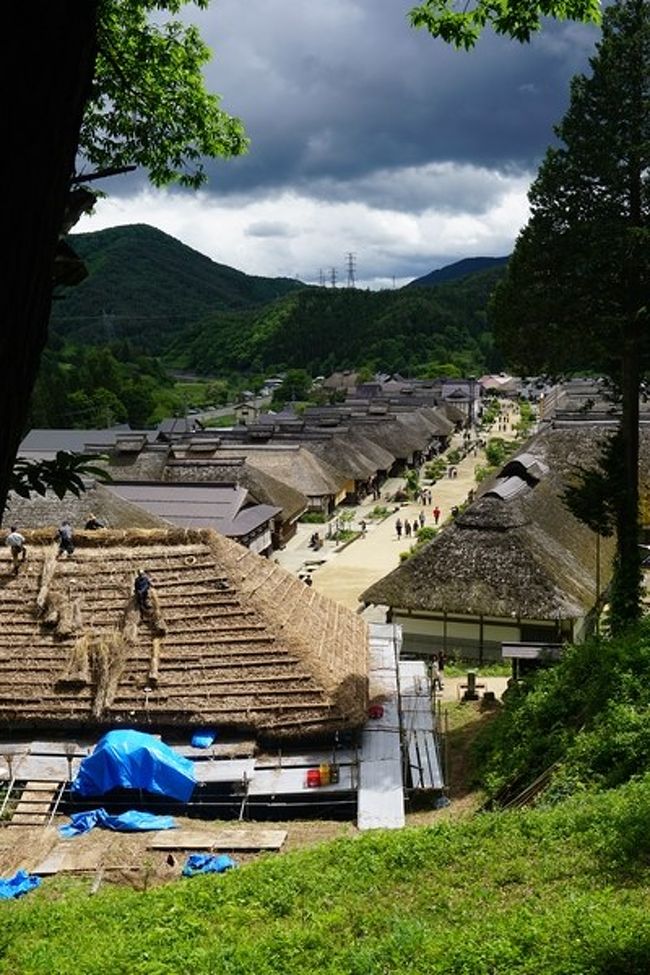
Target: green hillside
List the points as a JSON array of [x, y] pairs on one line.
[[322, 329], [145, 285], [556, 892]]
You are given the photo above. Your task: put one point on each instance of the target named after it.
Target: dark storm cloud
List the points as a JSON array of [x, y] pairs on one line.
[[334, 93]]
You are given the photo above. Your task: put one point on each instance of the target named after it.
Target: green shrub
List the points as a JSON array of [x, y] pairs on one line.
[[589, 713], [314, 517]]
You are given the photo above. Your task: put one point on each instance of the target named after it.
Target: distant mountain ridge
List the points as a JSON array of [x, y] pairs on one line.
[[146, 285], [460, 269]]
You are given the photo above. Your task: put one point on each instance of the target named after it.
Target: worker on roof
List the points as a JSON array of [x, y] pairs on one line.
[[65, 538], [16, 543], [141, 588]]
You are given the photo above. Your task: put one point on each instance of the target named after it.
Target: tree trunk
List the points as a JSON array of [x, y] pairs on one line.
[[56, 46]]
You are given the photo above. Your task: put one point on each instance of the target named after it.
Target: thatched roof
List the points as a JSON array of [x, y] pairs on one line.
[[516, 551], [50, 511], [396, 435], [144, 465], [343, 456], [293, 465], [379, 454], [233, 640]]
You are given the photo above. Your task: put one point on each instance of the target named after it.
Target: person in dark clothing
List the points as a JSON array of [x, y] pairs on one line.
[[93, 523], [141, 589], [398, 527], [65, 538], [407, 528]]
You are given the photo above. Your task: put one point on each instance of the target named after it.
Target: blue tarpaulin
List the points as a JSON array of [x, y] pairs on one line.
[[135, 760], [207, 863], [21, 883], [203, 738], [127, 822]]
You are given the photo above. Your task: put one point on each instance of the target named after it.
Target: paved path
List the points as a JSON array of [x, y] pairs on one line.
[[344, 573]]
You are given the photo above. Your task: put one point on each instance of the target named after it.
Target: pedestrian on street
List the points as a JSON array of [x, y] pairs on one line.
[[422, 518], [398, 527], [436, 514], [407, 528]]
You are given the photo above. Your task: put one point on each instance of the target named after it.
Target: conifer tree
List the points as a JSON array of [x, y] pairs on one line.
[[577, 288]]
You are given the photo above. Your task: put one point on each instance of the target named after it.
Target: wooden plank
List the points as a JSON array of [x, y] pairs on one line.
[[59, 748], [241, 839], [220, 749], [419, 725], [224, 770], [344, 756], [33, 807], [43, 768], [68, 858]]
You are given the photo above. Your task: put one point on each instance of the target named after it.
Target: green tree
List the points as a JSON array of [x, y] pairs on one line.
[[576, 291], [109, 87], [295, 386], [461, 24]]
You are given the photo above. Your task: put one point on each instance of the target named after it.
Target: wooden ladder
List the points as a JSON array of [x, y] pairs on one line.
[[35, 804]]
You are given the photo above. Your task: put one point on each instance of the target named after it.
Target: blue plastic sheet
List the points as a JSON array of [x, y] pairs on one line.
[[21, 883], [207, 863], [127, 822], [203, 739], [135, 760]]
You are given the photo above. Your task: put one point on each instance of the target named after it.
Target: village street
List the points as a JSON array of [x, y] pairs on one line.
[[344, 572]]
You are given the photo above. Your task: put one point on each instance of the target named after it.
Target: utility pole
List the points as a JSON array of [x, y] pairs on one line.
[[351, 263]]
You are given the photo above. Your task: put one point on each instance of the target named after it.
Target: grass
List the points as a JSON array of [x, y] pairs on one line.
[[459, 668], [544, 892]]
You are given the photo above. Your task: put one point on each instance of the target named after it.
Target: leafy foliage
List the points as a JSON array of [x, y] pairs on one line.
[[590, 713], [576, 291], [462, 26], [62, 475], [149, 105]]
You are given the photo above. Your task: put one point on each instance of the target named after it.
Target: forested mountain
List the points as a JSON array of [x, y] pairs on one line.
[[470, 265], [322, 329], [145, 285], [168, 300]]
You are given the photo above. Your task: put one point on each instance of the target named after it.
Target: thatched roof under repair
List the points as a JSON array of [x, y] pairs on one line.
[[232, 640], [512, 552]]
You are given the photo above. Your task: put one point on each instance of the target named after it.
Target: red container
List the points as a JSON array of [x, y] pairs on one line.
[[313, 778]]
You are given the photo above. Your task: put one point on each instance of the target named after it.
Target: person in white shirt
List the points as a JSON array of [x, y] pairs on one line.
[[16, 543]]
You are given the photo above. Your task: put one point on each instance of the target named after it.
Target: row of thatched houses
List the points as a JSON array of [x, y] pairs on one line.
[[250, 483]]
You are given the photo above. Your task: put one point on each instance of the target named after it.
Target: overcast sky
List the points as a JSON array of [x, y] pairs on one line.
[[367, 137]]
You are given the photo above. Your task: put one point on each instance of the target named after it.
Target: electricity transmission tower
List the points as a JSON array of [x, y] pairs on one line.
[[352, 265], [333, 277]]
